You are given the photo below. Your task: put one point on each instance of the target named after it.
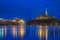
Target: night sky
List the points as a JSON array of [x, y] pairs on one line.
[[28, 9]]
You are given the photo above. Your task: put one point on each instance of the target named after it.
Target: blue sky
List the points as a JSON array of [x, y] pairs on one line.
[[28, 9]]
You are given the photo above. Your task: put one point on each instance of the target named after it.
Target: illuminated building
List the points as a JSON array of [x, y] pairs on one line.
[[19, 20], [16, 21], [44, 19]]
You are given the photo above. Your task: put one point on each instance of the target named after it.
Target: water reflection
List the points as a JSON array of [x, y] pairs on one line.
[[5, 30], [46, 32], [0, 32], [43, 32], [14, 31], [29, 32], [21, 31]]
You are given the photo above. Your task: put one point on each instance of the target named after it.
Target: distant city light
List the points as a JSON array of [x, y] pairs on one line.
[[14, 20], [1, 18]]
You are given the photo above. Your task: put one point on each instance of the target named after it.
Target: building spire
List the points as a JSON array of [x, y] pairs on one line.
[[46, 13]]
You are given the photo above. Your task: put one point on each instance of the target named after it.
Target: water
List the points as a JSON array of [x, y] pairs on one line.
[[30, 32]]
